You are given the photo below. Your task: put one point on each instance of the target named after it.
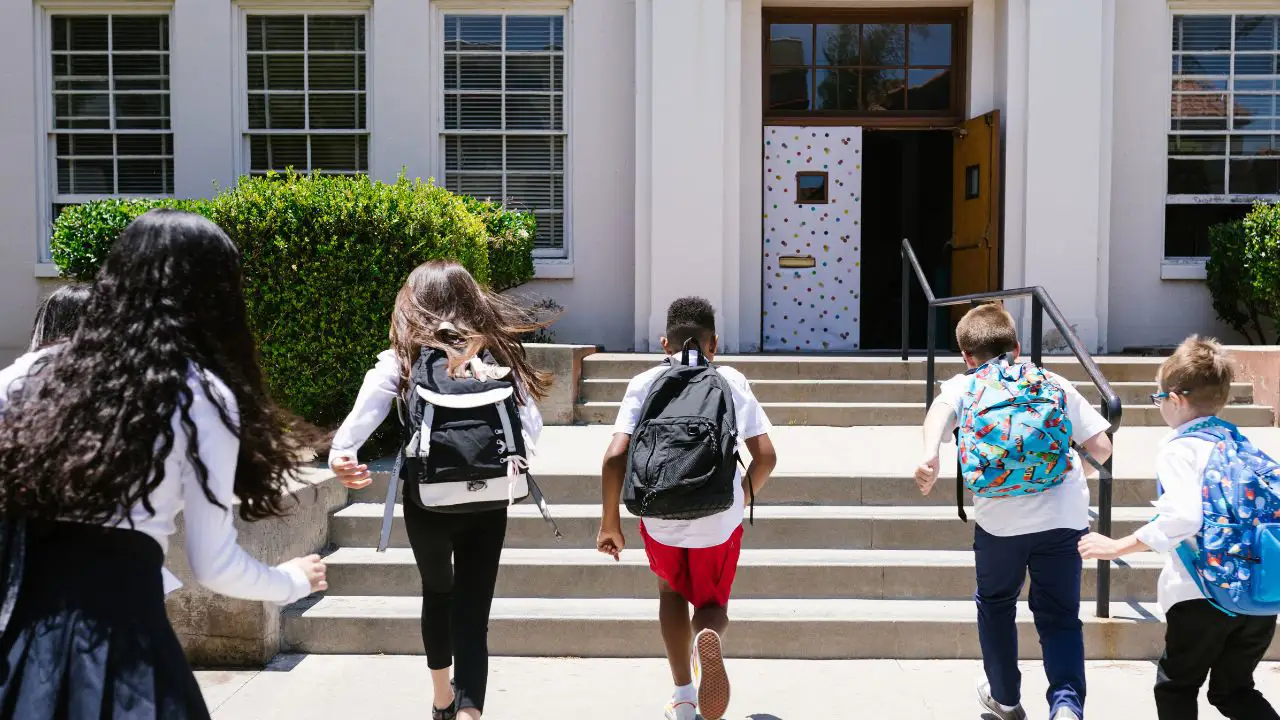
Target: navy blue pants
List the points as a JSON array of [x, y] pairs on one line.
[[1054, 563]]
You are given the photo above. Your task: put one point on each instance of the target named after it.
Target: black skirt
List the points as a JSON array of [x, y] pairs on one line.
[[88, 637]]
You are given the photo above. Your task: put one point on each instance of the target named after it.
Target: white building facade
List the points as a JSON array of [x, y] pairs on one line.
[[770, 156]]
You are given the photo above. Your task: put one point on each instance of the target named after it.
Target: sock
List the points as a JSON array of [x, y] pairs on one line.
[[685, 693], [1006, 708]]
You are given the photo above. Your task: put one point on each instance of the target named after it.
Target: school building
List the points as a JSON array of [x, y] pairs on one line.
[[770, 155]]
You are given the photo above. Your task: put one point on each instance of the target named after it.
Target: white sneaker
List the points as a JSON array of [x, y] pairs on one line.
[[682, 710], [988, 702], [1065, 713], [709, 673]]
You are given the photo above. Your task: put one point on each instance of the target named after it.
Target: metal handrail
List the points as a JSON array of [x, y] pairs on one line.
[[1041, 304]]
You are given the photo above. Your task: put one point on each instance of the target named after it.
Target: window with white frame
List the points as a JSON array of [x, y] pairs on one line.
[[307, 98], [504, 129], [1224, 133], [109, 130]]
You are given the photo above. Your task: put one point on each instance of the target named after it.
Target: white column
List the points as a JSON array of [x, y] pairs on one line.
[[1068, 106], [686, 128], [750, 179], [203, 104], [403, 72]]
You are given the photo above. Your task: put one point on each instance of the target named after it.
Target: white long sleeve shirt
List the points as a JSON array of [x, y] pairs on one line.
[[1179, 466], [380, 388], [217, 561]]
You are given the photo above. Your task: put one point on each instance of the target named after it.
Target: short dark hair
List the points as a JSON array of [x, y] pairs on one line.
[[987, 331], [690, 318], [59, 315]]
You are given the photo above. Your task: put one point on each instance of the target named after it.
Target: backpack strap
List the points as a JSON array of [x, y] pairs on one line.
[[389, 506], [746, 475], [959, 481], [517, 465]]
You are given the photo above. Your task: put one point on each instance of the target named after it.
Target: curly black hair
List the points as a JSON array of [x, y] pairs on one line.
[[690, 318], [86, 435]]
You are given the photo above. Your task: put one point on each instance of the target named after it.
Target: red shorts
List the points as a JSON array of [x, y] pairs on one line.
[[703, 576]]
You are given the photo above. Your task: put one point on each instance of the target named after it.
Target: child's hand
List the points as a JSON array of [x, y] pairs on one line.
[[315, 571], [352, 474], [927, 474], [611, 542], [1099, 547]]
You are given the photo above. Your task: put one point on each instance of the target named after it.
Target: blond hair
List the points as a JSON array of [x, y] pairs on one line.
[[1201, 370], [987, 331]]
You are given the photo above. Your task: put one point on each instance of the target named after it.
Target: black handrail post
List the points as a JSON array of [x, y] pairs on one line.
[[1037, 329], [930, 377], [906, 303], [1104, 527]]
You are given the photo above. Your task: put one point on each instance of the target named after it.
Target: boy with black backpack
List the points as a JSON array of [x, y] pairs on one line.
[[1217, 523], [1017, 424], [674, 461]]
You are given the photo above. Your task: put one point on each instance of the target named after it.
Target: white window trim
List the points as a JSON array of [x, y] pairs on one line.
[[1192, 268], [46, 164], [548, 264], [240, 65]]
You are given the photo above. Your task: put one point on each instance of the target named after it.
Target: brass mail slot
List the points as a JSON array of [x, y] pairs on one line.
[[796, 261]]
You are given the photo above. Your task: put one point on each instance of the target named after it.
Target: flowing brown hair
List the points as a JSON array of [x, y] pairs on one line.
[[443, 292]]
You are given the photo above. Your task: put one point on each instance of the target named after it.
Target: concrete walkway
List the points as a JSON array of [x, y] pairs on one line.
[[319, 687]]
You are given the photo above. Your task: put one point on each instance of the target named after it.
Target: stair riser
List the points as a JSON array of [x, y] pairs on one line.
[[773, 533], [876, 392], [879, 415], [946, 582], [794, 490], [862, 369], [801, 639]]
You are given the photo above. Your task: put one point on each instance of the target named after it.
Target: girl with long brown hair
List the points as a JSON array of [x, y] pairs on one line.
[[455, 354]]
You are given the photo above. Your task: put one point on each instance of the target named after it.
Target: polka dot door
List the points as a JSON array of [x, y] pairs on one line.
[[812, 238]]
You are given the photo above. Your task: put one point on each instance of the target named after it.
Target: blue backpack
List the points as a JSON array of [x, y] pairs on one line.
[[1236, 561], [1014, 433]]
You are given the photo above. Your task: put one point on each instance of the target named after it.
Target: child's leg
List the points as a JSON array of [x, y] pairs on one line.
[[1231, 688], [711, 573], [431, 537], [677, 634], [477, 554], [1055, 601], [1001, 564], [1194, 636]]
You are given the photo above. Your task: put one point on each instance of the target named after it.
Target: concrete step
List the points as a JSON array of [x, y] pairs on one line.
[[837, 414], [613, 366], [584, 489], [880, 391], [762, 574], [776, 527], [788, 628]]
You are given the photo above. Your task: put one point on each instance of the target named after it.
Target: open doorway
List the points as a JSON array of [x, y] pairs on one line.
[[907, 193]]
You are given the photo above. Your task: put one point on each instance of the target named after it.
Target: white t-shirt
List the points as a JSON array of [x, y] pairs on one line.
[[1180, 468], [1062, 506], [714, 529]]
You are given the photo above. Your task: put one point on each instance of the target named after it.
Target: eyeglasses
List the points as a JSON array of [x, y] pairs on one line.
[[1157, 399]]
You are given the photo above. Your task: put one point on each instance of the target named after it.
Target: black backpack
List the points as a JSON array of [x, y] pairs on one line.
[[683, 457], [462, 441]]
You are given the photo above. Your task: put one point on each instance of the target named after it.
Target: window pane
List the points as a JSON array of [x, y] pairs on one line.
[[484, 187], [1186, 227], [789, 89], [1255, 145], [837, 90], [474, 72], [139, 32], [101, 145], [531, 33], [473, 112], [837, 44], [287, 151], [884, 44], [1256, 32], [882, 90], [529, 112], [1198, 145], [144, 176], [930, 45], [530, 192], [335, 32], [1202, 32], [86, 177], [480, 33], [140, 65], [335, 72], [285, 72], [474, 152], [336, 153], [1255, 177], [142, 106], [83, 66], [530, 72], [791, 44], [1197, 177], [278, 32], [929, 89], [286, 112], [150, 144], [538, 153], [549, 233], [335, 112], [1206, 64], [79, 33]]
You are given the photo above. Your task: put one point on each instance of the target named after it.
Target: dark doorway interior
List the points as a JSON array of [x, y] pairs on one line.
[[906, 193]]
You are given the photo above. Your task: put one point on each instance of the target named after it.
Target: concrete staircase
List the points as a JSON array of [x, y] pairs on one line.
[[845, 560]]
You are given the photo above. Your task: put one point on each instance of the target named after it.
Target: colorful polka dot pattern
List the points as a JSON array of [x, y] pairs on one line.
[[812, 309]]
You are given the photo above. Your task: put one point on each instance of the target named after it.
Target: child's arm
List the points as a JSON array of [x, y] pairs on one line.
[[380, 388], [1180, 510], [763, 460], [940, 422], [610, 539]]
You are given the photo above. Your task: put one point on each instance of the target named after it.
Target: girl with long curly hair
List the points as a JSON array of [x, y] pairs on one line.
[[450, 334], [154, 406]]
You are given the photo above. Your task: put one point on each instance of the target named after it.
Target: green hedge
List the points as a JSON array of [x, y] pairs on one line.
[[1243, 272], [323, 259]]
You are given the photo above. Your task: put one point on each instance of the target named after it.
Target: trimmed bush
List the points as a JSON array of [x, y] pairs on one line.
[[1243, 272], [323, 260]]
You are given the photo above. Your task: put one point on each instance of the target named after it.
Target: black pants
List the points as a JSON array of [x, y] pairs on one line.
[[457, 556], [1202, 641]]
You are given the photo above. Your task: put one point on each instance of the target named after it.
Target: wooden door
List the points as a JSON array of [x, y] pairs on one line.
[[975, 240]]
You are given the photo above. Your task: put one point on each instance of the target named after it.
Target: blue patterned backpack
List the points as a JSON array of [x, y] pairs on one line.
[[1015, 436], [1235, 558]]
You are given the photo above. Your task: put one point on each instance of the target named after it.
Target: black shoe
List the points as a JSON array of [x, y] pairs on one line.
[[448, 713]]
